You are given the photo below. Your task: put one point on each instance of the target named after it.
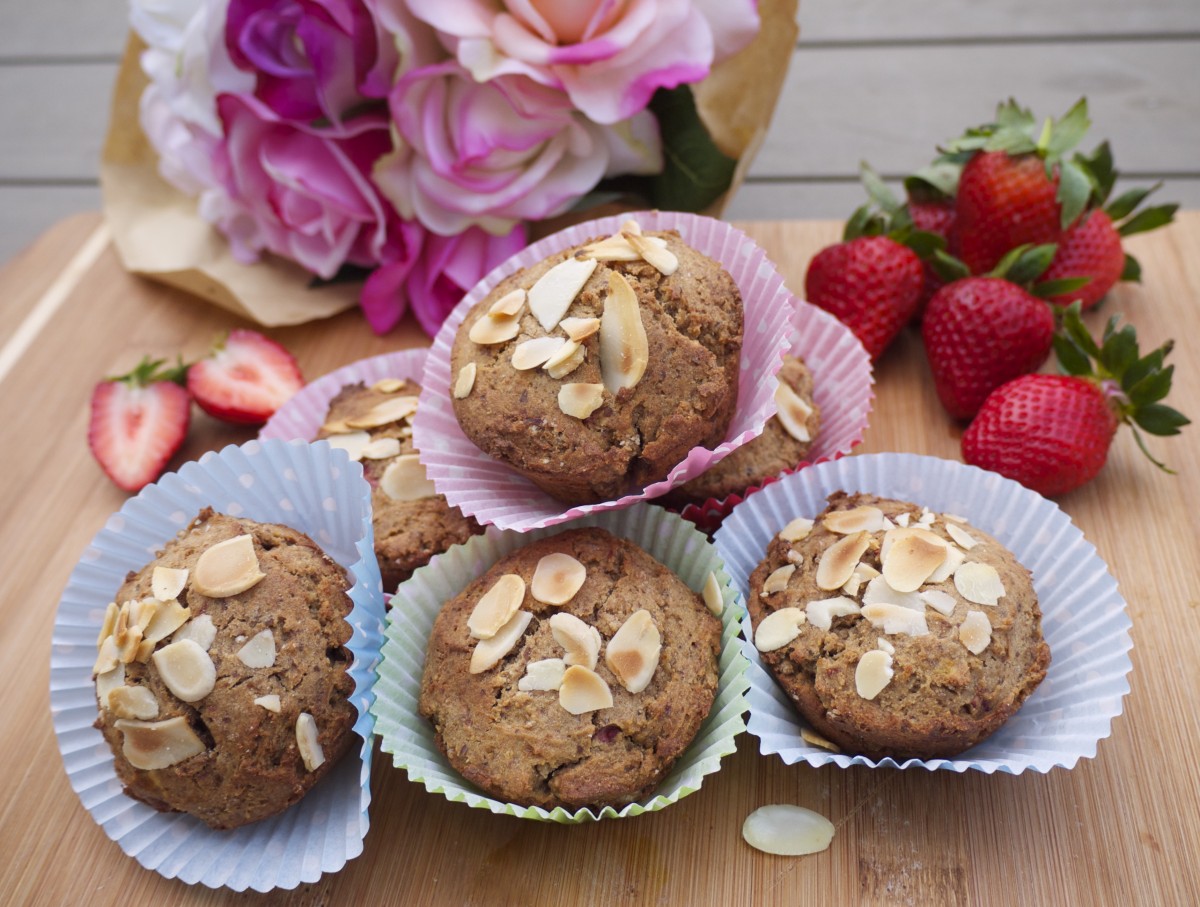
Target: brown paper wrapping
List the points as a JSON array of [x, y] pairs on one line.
[[158, 234]]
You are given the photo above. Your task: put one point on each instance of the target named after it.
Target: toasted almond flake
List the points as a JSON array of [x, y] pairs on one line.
[[954, 557], [109, 681], [404, 480], [465, 381], [488, 331], [488, 652], [546, 674], [797, 529], [954, 517], [496, 606], [887, 523], [166, 583], [133, 702], [661, 258], [227, 568], [583, 690], [389, 385], [979, 583], [186, 669], [385, 412], [259, 650], [787, 831], [127, 651], [911, 556], [631, 226], [150, 745], [792, 412], [144, 650], [533, 353], [778, 629], [336, 427], [903, 519], [353, 442], [121, 625], [612, 248], [864, 518], [884, 645], [580, 400], [713, 600], [566, 360], [555, 290], [624, 351], [199, 629], [942, 602], [308, 741], [863, 573], [142, 612], [108, 624], [873, 673], [509, 305], [632, 653], [896, 619], [839, 560], [822, 612], [964, 539], [778, 580], [579, 329], [382, 449], [580, 641], [270, 702], [556, 578], [814, 739], [975, 632]]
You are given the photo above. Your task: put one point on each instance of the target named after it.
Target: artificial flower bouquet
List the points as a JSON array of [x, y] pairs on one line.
[[391, 152]]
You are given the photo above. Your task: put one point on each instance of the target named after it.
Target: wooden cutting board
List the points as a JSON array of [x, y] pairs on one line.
[[1121, 828]]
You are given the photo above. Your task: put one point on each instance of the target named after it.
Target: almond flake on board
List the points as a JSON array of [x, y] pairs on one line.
[[778, 629], [496, 606], [787, 831], [552, 295], [632, 653], [583, 690], [488, 652], [227, 568], [624, 350], [839, 560], [465, 381], [556, 578]]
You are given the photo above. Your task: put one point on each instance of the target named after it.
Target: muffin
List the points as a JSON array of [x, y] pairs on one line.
[[785, 441], [412, 523], [222, 671], [595, 371], [895, 631], [572, 674]]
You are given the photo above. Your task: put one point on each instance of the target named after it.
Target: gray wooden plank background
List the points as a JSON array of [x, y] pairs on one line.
[[881, 80]]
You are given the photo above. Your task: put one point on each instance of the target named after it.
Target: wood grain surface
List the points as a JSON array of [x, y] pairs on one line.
[[1121, 828]]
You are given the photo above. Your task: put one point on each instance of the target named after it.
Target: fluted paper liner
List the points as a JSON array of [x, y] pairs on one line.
[[493, 492], [409, 737], [314, 489], [1084, 619]]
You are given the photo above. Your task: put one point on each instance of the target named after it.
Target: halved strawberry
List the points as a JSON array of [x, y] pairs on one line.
[[138, 421], [245, 378]]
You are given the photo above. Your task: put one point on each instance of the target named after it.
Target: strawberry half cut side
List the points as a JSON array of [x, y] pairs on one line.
[[245, 378]]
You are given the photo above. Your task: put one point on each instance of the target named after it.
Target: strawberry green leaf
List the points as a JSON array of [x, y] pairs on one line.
[[1119, 350], [1071, 359], [948, 267], [1067, 132], [924, 243], [1159, 419], [1063, 286], [1013, 143], [1011, 115], [1099, 169], [1132, 270], [1141, 443], [1074, 190], [1143, 368], [1122, 206], [877, 189], [1150, 219], [1025, 264], [939, 179], [857, 224], [1152, 388], [1073, 325]]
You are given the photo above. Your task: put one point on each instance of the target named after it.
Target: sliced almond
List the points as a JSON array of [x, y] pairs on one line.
[[815, 739], [792, 412], [533, 353], [713, 600], [580, 400], [389, 385], [465, 381], [555, 290], [839, 560], [895, 619], [797, 529], [624, 350], [496, 606], [954, 557], [199, 630], [509, 305], [583, 690], [259, 650], [910, 556], [778, 580], [632, 226], [336, 427], [142, 612], [566, 360], [557, 578], [133, 702], [308, 741], [941, 602], [150, 745], [108, 624], [864, 518], [661, 258], [381, 449], [186, 669], [822, 612], [979, 583], [873, 673], [490, 331], [903, 519], [580, 641], [778, 629], [632, 653], [393, 409], [863, 573], [975, 632], [488, 652], [353, 442], [787, 831], [962, 538], [883, 644], [227, 568], [404, 480], [128, 650], [144, 650], [546, 674], [166, 583], [109, 681], [611, 248], [579, 329], [878, 592], [270, 702]]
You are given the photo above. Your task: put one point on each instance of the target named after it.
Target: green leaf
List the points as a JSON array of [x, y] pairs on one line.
[[1064, 286], [1005, 264], [1069, 130], [857, 223], [1122, 206], [1013, 143], [1119, 351], [924, 243], [1132, 270], [1071, 359], [1011, 115], [948, 267], [1150, 219], [1100, 170], [1078, 332], [877, 189], [1142, 369], [695, 172], [1029, 265], [1152, 388], [1074, 190], [941, 177], [1141, 443], [1159, 419]]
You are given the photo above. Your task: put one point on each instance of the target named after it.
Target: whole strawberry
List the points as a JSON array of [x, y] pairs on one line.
[[244, 379], [138, 421], [1052, 433]]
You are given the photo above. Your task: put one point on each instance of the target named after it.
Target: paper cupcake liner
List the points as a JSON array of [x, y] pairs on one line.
[[494, 493], [1084, 620], [304, 414], [314, 489], [842, 389], [409, 737]]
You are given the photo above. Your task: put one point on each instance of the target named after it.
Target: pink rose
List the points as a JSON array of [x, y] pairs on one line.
[[609, 56]]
